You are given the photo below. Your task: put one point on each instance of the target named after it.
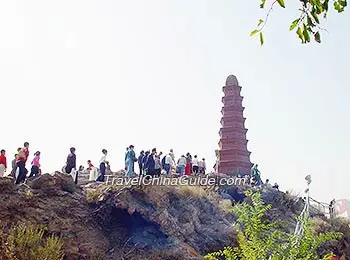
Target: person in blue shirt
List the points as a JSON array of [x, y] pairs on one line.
[[130, 160]]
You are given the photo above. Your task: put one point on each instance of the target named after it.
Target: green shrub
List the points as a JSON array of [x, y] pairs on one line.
[[27, 243], [260, 239]]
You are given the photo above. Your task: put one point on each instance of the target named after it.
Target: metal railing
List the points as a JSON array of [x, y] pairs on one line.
[[322, 207]]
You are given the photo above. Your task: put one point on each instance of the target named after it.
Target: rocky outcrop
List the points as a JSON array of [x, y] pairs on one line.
[[132, 222], [55, 202], [162, 220]]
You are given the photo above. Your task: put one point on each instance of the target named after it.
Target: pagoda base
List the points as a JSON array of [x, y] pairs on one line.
[[232, 168]]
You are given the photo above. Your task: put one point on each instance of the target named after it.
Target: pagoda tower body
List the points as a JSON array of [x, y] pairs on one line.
[[233, 155]]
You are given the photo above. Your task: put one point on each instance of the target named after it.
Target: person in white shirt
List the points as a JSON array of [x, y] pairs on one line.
[[168, 164], [202, 166], [182, 164], [102, 166], [172, 157], [195, 165]]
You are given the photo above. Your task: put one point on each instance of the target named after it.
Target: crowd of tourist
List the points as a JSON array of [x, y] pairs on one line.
[[149, 162], [153, 163], [19, 170]]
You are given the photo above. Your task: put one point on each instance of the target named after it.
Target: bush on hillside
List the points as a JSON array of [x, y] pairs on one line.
[[27, 242], [260, 239]]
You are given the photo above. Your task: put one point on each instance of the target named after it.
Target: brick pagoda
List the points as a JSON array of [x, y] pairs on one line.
[[233, 155]]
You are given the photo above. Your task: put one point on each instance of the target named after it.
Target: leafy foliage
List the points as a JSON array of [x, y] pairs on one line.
[[28, 243], [307, 26], [260, 239]]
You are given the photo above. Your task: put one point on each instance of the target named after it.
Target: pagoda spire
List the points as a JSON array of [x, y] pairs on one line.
[[233, 155]]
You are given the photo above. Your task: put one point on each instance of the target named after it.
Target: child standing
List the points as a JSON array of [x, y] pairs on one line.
[[35, 165], [90, 165], [92, 171], [3, 163]]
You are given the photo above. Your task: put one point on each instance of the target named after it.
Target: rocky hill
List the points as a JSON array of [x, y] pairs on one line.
[[136, 222]]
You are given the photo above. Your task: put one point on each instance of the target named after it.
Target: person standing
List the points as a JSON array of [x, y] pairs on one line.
[[201, 166], [71, 165], [21, 159], [139, 161], [182, 164], [172, 155], [26, 153], [150, 163], [3, 163], [102, 166], [195, 165], [35, 170], [108, 168], [256, 175], [157, 165], [14, 167], [130, 160], [126, 157], [168, 164], [92, 171], [331, 209], [188, 164], [90, 165], [144, 161]]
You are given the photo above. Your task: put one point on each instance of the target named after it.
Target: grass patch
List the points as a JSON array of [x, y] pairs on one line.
[[27, 242]]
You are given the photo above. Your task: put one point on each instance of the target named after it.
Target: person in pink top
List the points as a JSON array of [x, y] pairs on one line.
[[35, 165]]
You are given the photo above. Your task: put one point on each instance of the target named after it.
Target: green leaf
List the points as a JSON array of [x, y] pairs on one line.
[[261, 38], [309, 21], [300, 34], [306, 34], [281, 3], [294, 24], [262, 5], [260, 22], [339, 5], [317, 37], [314, 15], [254, 32], [319, 6], [325, 6]]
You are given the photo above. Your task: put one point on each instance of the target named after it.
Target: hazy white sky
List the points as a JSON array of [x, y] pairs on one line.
[[106, 74]]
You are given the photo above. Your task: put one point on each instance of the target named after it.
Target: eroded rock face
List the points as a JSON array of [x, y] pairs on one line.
[[159, 221], [136, 223], [65, 213]]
